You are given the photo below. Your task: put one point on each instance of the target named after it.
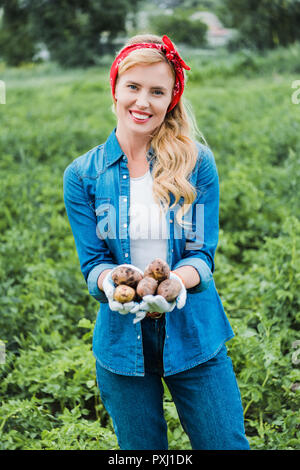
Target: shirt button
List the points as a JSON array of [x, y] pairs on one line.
[[139, 337], [125, 199], [124, 177], [171, 221], [125, 225], [126, 255]]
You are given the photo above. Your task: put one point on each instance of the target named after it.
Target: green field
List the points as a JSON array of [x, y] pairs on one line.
[[242, 102]]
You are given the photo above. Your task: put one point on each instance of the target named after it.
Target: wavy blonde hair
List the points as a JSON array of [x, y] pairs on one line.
[[173, 142]]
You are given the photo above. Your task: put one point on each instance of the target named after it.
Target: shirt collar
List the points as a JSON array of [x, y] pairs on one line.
[[113, 151]]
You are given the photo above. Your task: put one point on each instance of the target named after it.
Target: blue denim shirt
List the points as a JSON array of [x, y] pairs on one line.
[[97, 200]]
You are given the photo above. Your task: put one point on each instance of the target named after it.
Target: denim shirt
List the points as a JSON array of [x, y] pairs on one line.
[[97, 200]]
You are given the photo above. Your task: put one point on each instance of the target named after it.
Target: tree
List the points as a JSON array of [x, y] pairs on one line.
[[180, 28], [71, 29], [17, 42], [262, 23]]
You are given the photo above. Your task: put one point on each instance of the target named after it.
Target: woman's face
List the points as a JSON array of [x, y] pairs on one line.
[[143, 95]]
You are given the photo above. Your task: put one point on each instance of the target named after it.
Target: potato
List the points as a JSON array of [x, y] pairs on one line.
[[169, 289], [124, 293], [147, 286], [158, 269], [126, 275]]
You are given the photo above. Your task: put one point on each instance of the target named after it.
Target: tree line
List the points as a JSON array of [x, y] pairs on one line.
[[78, 32], [70, 29]]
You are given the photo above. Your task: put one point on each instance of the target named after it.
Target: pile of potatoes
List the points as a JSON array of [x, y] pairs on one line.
[[131, 285]]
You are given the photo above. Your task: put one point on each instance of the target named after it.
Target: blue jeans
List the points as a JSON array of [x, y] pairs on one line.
[[207, 399]]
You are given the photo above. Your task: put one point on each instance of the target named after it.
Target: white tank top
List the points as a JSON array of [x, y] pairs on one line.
[[147, 227]]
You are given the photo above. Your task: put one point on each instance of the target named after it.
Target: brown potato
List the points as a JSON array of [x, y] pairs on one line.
[[124, 294], [158, 269], [126, 275], [147, 286], [169, 289]]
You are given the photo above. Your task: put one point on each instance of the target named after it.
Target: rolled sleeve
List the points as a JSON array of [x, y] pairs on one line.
[[202, 239], [93, 253], [92, 281], [203, 270]]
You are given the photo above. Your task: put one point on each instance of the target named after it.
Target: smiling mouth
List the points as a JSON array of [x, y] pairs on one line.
[[137, 117]]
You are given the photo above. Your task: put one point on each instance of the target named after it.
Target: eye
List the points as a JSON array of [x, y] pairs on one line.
[[134, 87], [159, 92]]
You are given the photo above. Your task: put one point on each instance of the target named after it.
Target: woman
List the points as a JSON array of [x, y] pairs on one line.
[[151, 191]]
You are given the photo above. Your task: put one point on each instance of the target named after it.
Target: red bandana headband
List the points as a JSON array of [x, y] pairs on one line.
[[171, 54]]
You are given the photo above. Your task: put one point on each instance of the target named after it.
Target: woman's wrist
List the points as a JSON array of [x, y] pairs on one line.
[[180, 276], [189, 276], [101, 278]]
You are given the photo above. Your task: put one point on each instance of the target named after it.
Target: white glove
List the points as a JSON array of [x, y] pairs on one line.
[[181, 298], [109, 287], [157, 303]]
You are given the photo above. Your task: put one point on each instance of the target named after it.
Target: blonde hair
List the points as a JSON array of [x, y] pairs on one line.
[[173, 142]]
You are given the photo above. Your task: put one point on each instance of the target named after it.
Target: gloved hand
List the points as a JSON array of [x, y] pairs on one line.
[[108, 287], [181, 298], [157, 303]]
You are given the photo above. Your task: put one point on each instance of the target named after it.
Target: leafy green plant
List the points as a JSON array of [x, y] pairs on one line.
[[77, 433]]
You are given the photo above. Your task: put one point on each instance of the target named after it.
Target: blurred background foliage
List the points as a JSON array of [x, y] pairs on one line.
[[262, 24], [78, 32], [70, 29], [54, 59]]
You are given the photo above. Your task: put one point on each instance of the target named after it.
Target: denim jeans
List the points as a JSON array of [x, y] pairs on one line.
[[207, 399]]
